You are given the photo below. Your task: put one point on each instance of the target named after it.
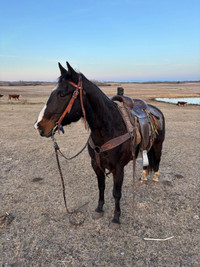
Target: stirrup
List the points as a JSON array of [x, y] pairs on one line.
[[145, 158]]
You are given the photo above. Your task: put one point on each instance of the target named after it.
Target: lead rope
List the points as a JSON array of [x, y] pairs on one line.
[[133, 139], [80, 215]]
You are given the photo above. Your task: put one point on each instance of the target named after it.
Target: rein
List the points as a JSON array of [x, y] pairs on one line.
[[80, 215]]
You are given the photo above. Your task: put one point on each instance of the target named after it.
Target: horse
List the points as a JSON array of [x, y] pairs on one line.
[[110, 145], [14, 96]]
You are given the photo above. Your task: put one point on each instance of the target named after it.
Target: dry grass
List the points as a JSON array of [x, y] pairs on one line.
[[41, 234]]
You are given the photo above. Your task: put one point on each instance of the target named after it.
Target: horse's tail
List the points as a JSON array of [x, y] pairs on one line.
[[152, 160], [154, 154]]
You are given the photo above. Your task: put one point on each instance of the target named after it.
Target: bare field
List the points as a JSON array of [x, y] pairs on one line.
[[34, 227]]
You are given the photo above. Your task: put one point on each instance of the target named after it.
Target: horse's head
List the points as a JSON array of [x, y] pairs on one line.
[[62, 97]]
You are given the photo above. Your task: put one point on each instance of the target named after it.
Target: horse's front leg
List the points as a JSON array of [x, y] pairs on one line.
[[101, 186], [118, 177]]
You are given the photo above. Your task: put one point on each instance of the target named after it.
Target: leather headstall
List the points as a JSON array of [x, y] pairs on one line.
[[79, 89]]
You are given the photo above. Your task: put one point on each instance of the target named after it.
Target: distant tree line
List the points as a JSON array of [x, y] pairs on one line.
[[98, 83], [23, 83]]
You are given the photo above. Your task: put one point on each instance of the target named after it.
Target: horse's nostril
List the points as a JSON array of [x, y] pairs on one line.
[[41, 131], [39, 128]]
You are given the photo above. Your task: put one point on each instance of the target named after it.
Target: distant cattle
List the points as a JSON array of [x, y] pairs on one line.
[[181, 103], [14, 96], [1, 95]]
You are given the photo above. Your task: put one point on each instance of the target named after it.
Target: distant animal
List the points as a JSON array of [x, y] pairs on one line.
[[1, 95], [14, 96], [114, 139], [181, 103]]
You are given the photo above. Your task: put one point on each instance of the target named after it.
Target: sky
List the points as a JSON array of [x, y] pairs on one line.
[[106, 40]]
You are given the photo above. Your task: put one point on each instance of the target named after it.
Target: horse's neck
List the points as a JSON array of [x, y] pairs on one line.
[[102, 115]]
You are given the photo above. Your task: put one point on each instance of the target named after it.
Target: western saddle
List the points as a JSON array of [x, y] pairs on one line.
[[137, 113]]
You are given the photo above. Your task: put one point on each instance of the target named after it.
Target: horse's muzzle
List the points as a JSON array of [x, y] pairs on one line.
[[42, 131], [45, 127]]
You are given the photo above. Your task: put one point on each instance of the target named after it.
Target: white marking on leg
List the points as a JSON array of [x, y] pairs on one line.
[[155, 178], [40, 117], [144, 176]]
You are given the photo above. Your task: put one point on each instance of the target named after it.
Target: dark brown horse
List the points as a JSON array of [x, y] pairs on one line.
[[111, 145]]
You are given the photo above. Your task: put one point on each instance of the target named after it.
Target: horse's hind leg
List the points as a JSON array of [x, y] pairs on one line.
[[144, 175], [118, 177], [155, 157], [101, 186]]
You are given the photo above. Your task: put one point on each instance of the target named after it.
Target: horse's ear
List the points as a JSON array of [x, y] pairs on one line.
[[62, 70], [71, 71]]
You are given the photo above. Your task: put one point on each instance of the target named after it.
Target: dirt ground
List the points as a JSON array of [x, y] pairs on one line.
[[34, 227]]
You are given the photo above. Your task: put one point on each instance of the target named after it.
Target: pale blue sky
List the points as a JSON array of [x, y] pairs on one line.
[[121, 40]]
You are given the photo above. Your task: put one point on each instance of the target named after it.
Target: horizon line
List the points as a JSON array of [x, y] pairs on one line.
[[100, 81]]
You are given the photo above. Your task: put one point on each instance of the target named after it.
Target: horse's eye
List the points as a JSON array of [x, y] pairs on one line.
[[62, 94]]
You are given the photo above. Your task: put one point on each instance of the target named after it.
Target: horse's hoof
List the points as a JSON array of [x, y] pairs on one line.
[[115, 224], [97, 214], [99, 210], [116, 221], [143, 181], [155, 183]]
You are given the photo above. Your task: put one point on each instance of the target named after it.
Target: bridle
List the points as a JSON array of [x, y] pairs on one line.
[[77, 91]]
